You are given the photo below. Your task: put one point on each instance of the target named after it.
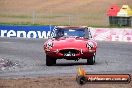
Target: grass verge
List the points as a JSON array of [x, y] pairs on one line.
[[30, 24]]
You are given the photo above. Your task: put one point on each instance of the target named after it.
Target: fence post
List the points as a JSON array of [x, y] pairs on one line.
[[33, 17], [69, 19]]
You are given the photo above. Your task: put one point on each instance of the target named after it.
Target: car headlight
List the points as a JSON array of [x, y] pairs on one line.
[[90, 45], [49, 45]]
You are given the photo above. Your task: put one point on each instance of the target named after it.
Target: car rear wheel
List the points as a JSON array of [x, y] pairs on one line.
[[91, 60], [50, 61]]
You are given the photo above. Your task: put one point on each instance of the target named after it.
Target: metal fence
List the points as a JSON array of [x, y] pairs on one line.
[[56, 19]]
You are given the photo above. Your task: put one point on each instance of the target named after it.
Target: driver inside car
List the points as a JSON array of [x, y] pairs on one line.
[[60, 34]]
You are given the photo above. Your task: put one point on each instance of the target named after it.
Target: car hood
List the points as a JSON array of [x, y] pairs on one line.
[[69, 43]]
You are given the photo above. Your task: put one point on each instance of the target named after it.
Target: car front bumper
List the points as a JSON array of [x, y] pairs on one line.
[[83, 53]]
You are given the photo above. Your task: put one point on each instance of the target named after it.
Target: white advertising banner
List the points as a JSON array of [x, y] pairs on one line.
[[112, 34], [102, 34]]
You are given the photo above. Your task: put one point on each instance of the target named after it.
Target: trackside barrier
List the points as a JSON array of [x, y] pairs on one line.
[[112, 34], [25, 31], [102, 34]]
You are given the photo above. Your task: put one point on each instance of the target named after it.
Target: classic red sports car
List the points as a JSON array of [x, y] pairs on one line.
[[71, 43]]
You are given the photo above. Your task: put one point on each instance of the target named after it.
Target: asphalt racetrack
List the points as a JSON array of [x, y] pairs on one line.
[[112, 57]]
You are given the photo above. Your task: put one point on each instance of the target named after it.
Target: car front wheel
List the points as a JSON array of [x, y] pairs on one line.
[[50, 61], [91, 60]]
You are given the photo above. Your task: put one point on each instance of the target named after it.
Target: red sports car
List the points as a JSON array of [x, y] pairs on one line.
[[71, 43]]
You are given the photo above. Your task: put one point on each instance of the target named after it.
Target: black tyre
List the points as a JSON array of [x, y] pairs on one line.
[[91, 60], [50, 61], [81, 80]]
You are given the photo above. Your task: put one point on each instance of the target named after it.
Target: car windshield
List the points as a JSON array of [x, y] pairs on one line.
[[65, 32]]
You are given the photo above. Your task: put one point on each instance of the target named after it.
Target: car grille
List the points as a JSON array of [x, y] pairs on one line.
[[69, 50]]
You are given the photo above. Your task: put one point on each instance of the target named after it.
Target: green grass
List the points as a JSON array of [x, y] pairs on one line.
[[21, 24], [29, 19], [51, 17], [30, 24], [15, 16], [26, 16], [92, 17]]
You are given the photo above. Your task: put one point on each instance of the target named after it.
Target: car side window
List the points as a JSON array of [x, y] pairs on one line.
[[90, 35], [87, 33]]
